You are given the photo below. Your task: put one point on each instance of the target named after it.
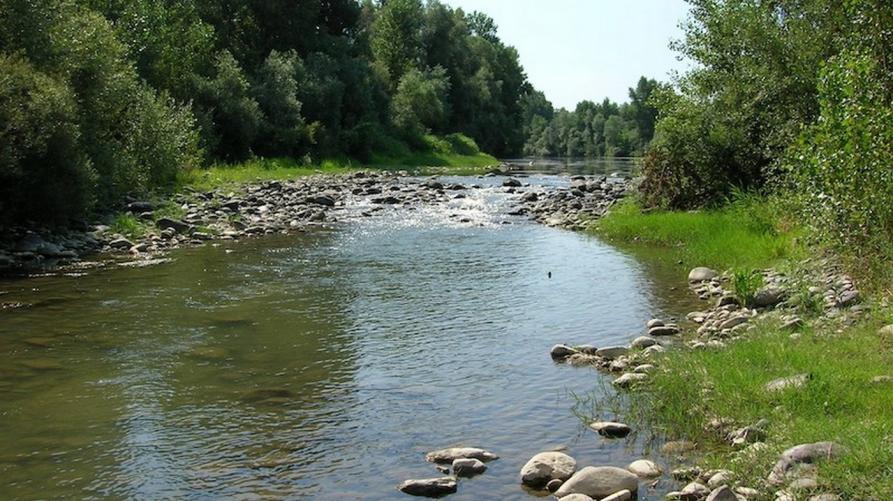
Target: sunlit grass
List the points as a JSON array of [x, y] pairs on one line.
[[839, 402], [743, 234]]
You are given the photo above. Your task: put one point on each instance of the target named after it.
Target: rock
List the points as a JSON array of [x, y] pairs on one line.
[[804, 484], [803, 454], [577, 497], [848, 298], [512, 183], [733, 322], [599, 482], [6, 261], [547, 466], [467, 467], [886, 330], [825, 497], [612, 352], [677, 447], [663, 330], [429, 487], [722, 493], [768, 296], [588, 349], [178, 226], [784, 383], [624, 495], [629, 379], [684, 474], [561, 351], [654, 322], [643, 468], [42, 364], [554, 484], [694, 491], [881, 379], [121, 244], [453, 453], [747, 492], [611, 429], [749, 434], [530, 197], [726, 300], [643, 342], [720, 478], [701, 274], [137, 207], [325, 200]]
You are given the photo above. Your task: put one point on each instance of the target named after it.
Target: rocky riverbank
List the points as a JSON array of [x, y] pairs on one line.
[[195, 218], [818, 286]]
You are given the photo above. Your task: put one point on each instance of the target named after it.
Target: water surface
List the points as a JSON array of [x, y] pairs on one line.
[[321, 364]]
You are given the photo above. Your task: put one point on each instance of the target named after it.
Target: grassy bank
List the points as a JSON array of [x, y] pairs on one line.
[[840, 403], [693, 387], [455, 154], [745, 233]]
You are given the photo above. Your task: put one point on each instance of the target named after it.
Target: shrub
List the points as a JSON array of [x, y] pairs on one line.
[[746, 283], [841, 168], [43, 174]]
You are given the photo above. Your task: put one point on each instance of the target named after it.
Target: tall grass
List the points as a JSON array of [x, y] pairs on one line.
[[744, 233]]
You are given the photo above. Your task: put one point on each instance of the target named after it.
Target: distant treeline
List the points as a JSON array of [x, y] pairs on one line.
[[103, 98], [592, 129]]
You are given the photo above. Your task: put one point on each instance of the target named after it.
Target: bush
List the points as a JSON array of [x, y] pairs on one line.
[[841, 168], [43, 173]]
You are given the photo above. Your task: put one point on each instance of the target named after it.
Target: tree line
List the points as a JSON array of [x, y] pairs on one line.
[[789, 97], [105, 98], [605, 129]]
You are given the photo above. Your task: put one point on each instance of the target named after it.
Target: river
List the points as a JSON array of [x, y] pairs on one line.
[[322, 364]]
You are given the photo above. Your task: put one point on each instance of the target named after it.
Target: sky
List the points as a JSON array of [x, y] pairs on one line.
[[588, 49]]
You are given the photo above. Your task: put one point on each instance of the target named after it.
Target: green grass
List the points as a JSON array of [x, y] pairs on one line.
[[129, 226], [839, 403], [454, 154], [742, 234]]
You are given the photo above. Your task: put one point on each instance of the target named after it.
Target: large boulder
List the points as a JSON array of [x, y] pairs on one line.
[[429, 487], [547, 466], [453, 453], [598, 482], [701, 274]]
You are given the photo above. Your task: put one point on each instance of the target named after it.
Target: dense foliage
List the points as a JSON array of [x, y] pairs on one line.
[[793, 96], [592, 129], [753, 88], [101, 99]]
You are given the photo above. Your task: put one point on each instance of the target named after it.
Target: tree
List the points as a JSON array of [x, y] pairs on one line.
[[396, 38]]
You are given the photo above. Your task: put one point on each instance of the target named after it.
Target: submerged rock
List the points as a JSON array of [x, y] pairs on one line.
[[599, 482], [453, 453], [429, 487], [547, 466]]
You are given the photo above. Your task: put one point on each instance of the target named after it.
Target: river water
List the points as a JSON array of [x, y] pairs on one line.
[[322, 364]]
